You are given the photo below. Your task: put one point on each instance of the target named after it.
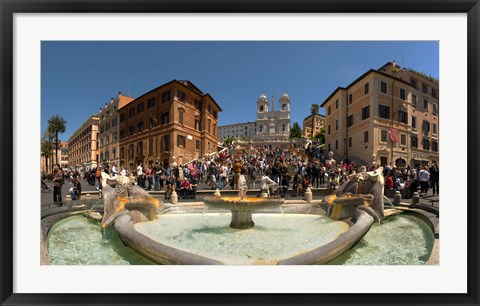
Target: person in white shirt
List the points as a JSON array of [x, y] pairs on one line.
[[424, 178], [114, 170], [140, 175]]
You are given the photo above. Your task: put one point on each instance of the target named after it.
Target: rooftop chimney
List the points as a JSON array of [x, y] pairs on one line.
[[273, 104], [100, 109]]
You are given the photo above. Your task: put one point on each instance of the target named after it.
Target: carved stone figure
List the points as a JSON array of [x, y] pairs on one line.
[[237, 168], [268, 185], [242, 187], [368, 185], [330, 163]]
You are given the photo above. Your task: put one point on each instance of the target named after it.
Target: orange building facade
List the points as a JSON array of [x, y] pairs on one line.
[[387, 116], [319, 122], [173, 120], [62, 158], [109, 131], [83, 153]]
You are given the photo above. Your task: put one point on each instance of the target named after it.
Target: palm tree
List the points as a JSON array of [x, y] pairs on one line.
[[56, 124], [314, 110], [47, 139], [46, 151]]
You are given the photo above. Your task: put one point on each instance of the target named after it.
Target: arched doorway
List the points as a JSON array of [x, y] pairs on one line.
[[400, 163]]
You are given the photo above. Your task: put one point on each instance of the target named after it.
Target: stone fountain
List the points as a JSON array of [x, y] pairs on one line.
[[171, 234], [362, 190], [241, 206]]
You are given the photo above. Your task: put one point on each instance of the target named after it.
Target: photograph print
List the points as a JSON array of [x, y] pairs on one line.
[[240, 153]]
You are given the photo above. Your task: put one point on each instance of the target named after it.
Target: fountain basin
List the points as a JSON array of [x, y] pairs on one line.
[[165, 252], [274, 237], [242, 208]]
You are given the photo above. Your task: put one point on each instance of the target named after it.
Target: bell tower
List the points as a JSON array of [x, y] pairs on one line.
[[285, 103], [262, 105]]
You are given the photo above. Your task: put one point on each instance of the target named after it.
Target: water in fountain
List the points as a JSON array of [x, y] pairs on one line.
[[204, 211], [271, 239], [80, 241], [400, 240], [95, 205]]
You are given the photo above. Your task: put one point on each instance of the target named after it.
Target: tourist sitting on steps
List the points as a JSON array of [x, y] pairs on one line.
[[298, 184], [285, 184], [184, 191], [169, 186]]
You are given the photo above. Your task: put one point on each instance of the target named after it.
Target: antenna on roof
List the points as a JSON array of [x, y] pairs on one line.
[[403, 66]]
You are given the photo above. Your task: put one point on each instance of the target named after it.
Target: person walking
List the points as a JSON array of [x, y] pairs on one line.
[[149, 176], [316, 173], [141, 183], [98, 175], [76, 189], [434, 177], [57, 184], [424, 178], [156, 176]]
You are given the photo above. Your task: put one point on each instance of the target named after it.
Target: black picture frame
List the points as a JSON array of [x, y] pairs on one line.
[[10, 7]]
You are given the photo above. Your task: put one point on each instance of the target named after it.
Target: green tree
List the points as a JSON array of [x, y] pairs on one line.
[[228, 141], [46, 151], [320, 135], [314, 111], [47, 137], [56, 124], [295, 131]]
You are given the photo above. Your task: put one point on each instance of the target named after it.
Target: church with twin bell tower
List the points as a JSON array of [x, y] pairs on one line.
[[273, 124]]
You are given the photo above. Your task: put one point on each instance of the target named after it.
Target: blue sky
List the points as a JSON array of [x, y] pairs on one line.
[[79, 77]]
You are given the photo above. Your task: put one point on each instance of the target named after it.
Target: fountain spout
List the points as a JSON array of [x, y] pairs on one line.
[[242, 187]]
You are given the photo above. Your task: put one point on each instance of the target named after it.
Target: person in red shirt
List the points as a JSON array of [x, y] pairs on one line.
[[185, 187], [389, 181]]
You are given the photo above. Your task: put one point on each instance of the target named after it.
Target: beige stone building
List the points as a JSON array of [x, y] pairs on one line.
[[83, 153], [244, 131], [62, 158], [175, 119], [318, 123], [387, 116], [63, 154], [109, 129], [270, 126]]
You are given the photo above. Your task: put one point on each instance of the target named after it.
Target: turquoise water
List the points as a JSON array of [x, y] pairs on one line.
[[399, 240], [274, 236], [79, 241]]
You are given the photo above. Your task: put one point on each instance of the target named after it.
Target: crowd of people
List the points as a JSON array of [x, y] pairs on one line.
[[410, 179], [290, 168]]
